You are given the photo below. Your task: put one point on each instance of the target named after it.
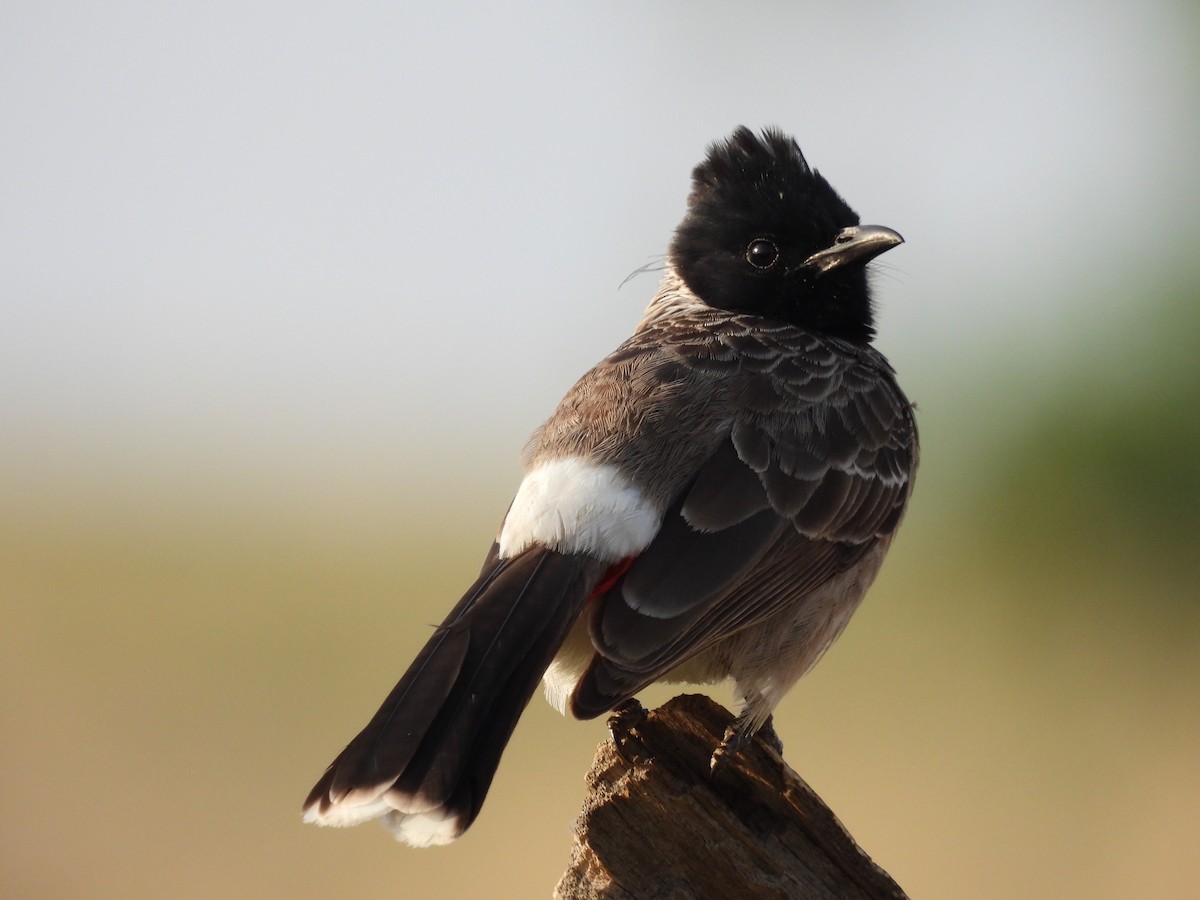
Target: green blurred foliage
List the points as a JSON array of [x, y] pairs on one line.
[[1106, 477]]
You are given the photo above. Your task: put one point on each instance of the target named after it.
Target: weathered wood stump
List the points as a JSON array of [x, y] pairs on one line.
[[658, 824]]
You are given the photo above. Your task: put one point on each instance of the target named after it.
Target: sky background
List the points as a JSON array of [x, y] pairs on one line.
[[284, 287]]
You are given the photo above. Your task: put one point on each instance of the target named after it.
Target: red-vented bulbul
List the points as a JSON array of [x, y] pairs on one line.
[[711, 501]]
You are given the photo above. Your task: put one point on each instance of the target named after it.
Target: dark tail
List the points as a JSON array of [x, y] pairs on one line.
[[425, 761]]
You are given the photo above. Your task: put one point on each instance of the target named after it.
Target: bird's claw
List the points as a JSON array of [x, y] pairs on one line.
[[738, 735], [731, 743]]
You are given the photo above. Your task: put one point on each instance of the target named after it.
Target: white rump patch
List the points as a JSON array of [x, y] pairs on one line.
[[575, 506]]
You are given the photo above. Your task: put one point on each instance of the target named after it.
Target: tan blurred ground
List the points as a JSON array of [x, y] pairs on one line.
[[176, 666]]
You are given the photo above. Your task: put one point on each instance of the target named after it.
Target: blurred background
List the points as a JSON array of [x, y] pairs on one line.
[[284, 287]]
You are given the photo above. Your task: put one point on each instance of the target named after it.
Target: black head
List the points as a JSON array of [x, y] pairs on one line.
[[765, 234]]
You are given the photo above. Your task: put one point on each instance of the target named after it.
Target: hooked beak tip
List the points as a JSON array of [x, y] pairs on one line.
[[858, 243]]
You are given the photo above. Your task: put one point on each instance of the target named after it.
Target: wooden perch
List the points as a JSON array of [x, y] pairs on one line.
[[657, 824]]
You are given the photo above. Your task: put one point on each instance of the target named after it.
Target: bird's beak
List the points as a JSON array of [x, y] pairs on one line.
[[859, 243]]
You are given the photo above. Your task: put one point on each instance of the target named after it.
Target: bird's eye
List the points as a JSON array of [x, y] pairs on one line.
[[762, 253]]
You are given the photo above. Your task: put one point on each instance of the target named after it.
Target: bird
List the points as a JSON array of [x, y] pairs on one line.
[[711, 501]]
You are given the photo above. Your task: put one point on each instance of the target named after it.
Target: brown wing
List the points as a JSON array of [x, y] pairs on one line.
[[808, 479]]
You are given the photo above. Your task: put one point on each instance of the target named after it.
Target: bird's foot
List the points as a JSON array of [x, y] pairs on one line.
[[627, 715], [733, 741], [738, 735], [624, 719]]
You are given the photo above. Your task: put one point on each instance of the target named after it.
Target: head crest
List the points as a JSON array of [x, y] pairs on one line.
[[766, 179], [745, 159]]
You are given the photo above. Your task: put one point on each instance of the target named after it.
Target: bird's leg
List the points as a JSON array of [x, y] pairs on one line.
[[770, 736], [739, 734]]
